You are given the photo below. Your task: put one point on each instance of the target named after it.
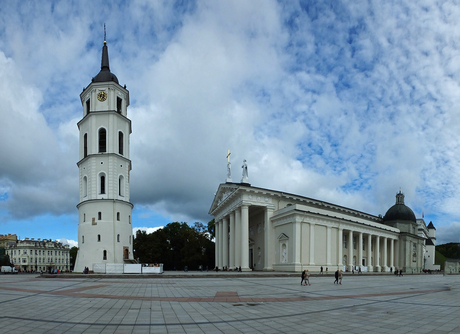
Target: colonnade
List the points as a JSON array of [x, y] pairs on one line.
[[373, 254], [232, 239], [232, 244]]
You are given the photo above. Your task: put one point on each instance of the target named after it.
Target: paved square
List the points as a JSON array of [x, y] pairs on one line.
[[230, 304]]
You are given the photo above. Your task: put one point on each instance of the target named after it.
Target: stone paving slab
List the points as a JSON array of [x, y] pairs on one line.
[[230, 304]]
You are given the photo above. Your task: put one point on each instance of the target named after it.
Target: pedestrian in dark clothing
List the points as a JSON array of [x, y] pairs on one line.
[[336, 275], [321, 270], [304, 273]]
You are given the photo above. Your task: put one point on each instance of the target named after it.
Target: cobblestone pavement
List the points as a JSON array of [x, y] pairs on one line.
[[230, 304]]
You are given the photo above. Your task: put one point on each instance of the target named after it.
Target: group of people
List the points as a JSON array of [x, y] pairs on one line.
[[306, 277], [398, 272], [86, 270]]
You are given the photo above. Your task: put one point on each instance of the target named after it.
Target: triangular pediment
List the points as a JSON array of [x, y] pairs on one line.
[[224, 191], [283, 236]]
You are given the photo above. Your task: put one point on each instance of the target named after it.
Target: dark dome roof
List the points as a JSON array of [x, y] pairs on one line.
[[105, 75], [399, 211]]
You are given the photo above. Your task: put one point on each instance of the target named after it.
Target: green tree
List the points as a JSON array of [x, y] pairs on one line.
[[450, 250], [176, 245], [73, 256], [212, 229]]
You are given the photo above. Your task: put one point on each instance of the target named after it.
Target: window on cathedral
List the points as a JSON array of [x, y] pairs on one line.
[[102, 140], [88, 106], [129, 219], [118, 238], [98, 238], [99, 215], [118, 216], [102, 186], [119, 103], [120, 142], [82, 239], [354, 242], [85, 145], [344, 241], [104, 255]]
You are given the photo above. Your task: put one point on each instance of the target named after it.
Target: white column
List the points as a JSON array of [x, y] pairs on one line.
[[385, 254], [369, 263], [225, 242], [329, 246], [392, 253], [221, 244], [350, 249], [377, 253], [232, 240], [296, 242], [245, 238], [360, 249], [238, 237], [217, 242], [269, 245], [312, 244], [340, 248]]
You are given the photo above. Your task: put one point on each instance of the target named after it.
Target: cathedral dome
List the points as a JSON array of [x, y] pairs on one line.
[[399, 211], [105, 75]]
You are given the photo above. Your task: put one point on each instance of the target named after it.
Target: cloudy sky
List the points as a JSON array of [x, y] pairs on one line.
[[343, 101]]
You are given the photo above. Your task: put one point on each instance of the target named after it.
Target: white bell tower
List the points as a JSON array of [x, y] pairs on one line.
[[104, 224]]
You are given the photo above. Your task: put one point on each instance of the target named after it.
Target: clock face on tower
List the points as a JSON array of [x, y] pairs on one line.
[[102, 96]]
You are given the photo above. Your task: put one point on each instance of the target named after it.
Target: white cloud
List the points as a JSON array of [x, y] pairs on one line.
[[147, 230], [345, 103], [71, 243]]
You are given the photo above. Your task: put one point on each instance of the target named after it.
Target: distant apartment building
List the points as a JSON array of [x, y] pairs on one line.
[[35, 255]]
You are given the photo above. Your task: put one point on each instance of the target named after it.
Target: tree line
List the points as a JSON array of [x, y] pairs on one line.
[[177, 245]]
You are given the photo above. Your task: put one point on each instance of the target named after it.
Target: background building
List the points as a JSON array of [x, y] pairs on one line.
[[35, 255]]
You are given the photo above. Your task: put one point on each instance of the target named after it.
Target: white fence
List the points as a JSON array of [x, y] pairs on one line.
[[120, 268]]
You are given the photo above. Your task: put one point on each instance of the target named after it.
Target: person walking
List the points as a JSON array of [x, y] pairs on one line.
[[304, 274], [336, 275], [321, 270], [307, 278], [340, 276]]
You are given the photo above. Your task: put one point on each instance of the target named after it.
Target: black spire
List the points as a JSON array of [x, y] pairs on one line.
[[105, 74]]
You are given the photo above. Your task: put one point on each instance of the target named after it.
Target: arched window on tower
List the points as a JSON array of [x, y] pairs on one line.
[[102, 140], [102, 183], [119, 102], [120, 142], [121, 185], [85, 186], [104, 255], [85, 145]]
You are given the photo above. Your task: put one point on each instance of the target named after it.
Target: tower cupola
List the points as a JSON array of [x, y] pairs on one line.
[[105, 75]]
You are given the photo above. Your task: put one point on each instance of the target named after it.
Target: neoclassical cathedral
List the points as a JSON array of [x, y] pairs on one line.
[[264, 229], [104, 224]]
